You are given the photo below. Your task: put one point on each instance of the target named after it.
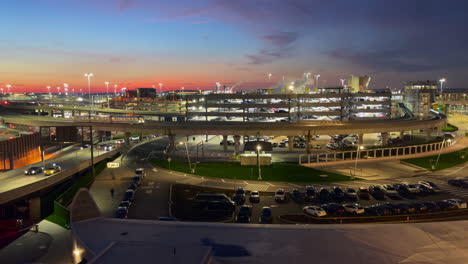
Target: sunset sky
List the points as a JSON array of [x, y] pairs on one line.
[[193, 44]]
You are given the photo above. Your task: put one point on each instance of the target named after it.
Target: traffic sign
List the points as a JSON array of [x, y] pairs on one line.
[[113, 165]]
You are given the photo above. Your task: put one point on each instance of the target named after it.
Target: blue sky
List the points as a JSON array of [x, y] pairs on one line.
[[197, 43]]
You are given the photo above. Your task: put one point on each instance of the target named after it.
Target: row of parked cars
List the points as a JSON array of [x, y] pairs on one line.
[[340, 210], [129, 195], [49, 169], [339, 194]]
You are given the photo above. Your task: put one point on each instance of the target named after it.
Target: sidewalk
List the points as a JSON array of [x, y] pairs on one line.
[[52, 244]]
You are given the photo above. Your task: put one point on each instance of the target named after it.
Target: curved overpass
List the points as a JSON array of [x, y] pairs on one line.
[[243, 128]]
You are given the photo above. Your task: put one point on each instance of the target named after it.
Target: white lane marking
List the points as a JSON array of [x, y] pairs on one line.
[[245, 182], [270, 184], [457, 170], [223, 180], [155, 170]]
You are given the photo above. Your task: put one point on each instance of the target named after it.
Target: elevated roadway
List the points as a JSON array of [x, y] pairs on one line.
[[242, 128]]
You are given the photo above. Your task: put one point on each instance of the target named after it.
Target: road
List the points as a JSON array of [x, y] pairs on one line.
[[15, 178]]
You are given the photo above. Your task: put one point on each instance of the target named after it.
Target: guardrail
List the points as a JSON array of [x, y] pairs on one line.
[[325, 157]]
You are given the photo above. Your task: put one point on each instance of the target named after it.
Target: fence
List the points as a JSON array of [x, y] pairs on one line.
[[373, 153]]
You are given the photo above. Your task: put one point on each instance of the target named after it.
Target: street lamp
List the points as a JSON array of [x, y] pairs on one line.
[[359, 148], [1, 89], [58, 90], [342, 82], [258, 162], [440, 150], [269, 76], [89, 75], [317, 76], [65, 88], [115, 89], [442, 83], [188, 156], [107, 93], [307, 75], [8, 86], [160, 87]]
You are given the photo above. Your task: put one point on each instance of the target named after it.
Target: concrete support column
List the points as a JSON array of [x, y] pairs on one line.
[[127, 139], [361, 139], [236, 143], [290, 142], [172, 146], [100, 136], [225, 143], [35, 209], [428, 134], [308, 139], [384, 138]]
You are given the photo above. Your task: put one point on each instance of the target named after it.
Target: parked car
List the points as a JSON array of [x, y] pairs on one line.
[[121, 212], [85, 146], [457, 202], [459, 182], [296, 195], [33, 171], [377, 192], [420, 207], [424, 189], [313, 210], [363, 193], [351, 194], [239, 196], [140, 172], [125, 204], [310, 193], [132, 187], [129, 196], [52, 169], [280, 195], [136, 180], [266, 215], [379, 210], [354, 209], [254, 197], [333, 209], [244, 214], [324, 195], [430, 184], [413, 188], [405, 208], [390, 191], [444, 205], [402, 189], [338, 194]]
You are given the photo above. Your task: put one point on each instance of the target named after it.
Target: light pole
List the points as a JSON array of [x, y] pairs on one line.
[[307, 75], [65, 88], [1, 89], [317, 76], [107, 93], [442, 83], [160, 87], [342, 82], [8, 86], [269, 76], [440, 150], [258, 162], [359, 148], [89, 75], [188, 156], [58, 90], [115, 89]]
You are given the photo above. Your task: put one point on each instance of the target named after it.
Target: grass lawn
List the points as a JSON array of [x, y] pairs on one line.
[[446, 160], [275, 172]]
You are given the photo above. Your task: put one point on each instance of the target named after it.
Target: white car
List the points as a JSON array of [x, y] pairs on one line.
[[354, 209], [313, 210], [457, 202], [429, 184], [280, 195]]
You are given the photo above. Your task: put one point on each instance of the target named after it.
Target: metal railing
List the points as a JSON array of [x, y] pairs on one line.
[[325, 157]]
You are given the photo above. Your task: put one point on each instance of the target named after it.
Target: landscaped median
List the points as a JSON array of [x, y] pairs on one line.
[[446, 160], [275, 172], [457, 214]]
